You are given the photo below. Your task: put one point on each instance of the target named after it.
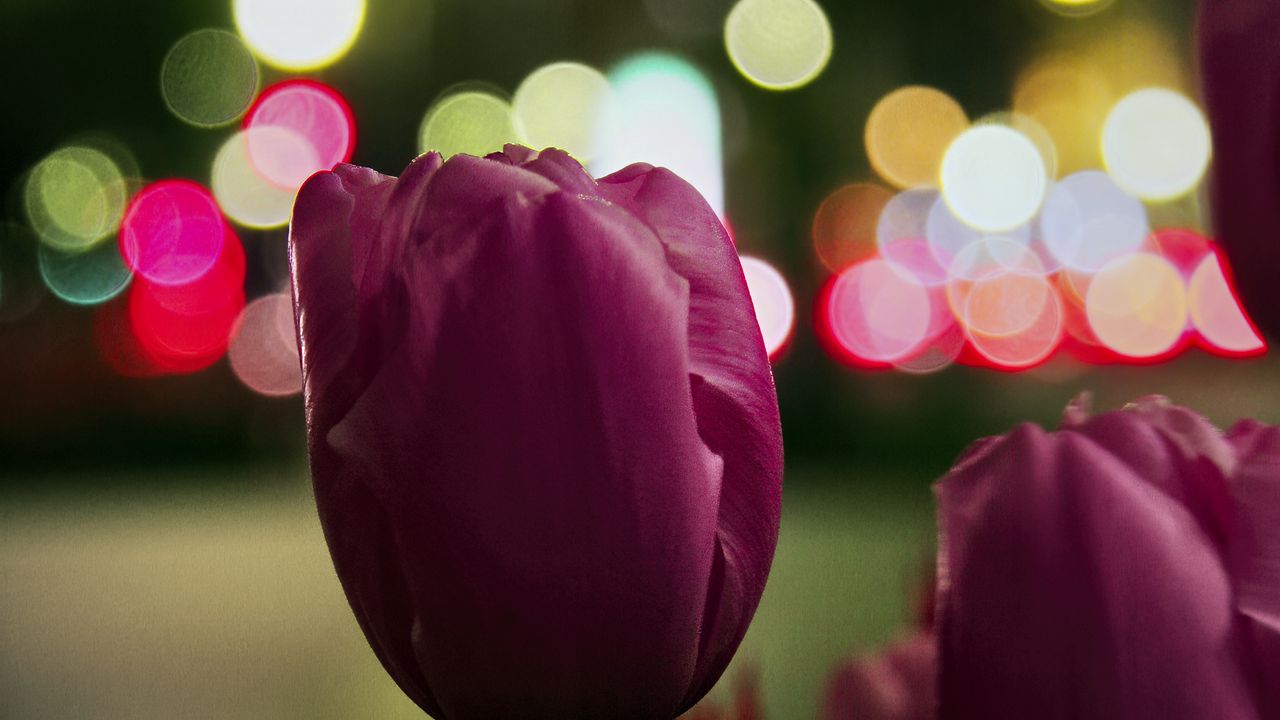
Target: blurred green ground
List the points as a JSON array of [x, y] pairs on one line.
[[203, 597]]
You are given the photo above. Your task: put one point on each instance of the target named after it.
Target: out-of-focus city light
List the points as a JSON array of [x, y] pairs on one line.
[[876, 315], [243, 193], [1216, 312], [1088, 221], [778, 44], [560, 105], [901, 233], [775, 307], [663, 111], [472, 122], [1033, 130], [993, 178], [1156, 144], [182, 328], [955, 245], [1069, 96], [299, 34], [1077, 8], [209, 78], [1030, 346], [87, 277], [1137, 306], [75, 197], [263, 350], [172, 232], [320, 122], [909, 131], [844, 226]]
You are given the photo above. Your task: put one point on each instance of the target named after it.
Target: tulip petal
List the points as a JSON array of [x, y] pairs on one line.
[[535, 449], [1177, 451], [1255, 547], [335, 217], [1240, 62], [734, 398], [1071, 587]]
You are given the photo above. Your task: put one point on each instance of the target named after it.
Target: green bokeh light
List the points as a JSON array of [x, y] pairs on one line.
[[75, 197], [84, 278], [209, 78], [471, 122]]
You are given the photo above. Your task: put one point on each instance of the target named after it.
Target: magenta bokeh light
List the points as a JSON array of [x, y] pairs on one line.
[[172, 232]]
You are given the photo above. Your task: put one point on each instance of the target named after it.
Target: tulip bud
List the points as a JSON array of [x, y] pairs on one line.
[[1125, 566], [542, 428]]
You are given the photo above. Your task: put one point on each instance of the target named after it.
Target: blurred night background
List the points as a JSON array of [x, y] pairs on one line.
[[159, 553]]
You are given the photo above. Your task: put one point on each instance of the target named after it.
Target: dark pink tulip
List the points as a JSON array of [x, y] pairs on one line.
[[898, 684], [1240, 65], [1126, 566], [543, 431]]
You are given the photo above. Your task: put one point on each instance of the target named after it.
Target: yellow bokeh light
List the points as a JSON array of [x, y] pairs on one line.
[[993, 178], [209, 78], [1070, 91], [844, 227], [908, 132], [471, 122], [75, 197], [241, 191], [560, 105], [1137, 306], [1077, 8], [778, 44], [299, 34], [1156, 144]]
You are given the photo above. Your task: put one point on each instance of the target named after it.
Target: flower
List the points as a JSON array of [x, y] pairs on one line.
[[1240, 64], [1125, 566], [543, 431]]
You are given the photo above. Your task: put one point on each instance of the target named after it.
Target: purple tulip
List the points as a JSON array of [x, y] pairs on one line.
[[542, 428], [1125, 566], [1240, 64]]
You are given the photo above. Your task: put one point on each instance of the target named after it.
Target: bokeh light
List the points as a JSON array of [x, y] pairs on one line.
[[1077, 8], [778, 44], [876, 315], [1156, 144], [75, 197], [1088, 221], [182, 328], [299, 34], [472, 122], [1069, 96], [318, 118], [87, 277], [560, 105], [901, 236], [844, 226], [775, 307], [909, 131], [209, 78], [172, 232], [241, 191], [1216, 311], [1028, 347], [1137, 306], [263, 349], [951, 240], [993, 178], [663, 111]]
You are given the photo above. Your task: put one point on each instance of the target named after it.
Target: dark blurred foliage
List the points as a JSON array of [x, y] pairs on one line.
[[72, 67]]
